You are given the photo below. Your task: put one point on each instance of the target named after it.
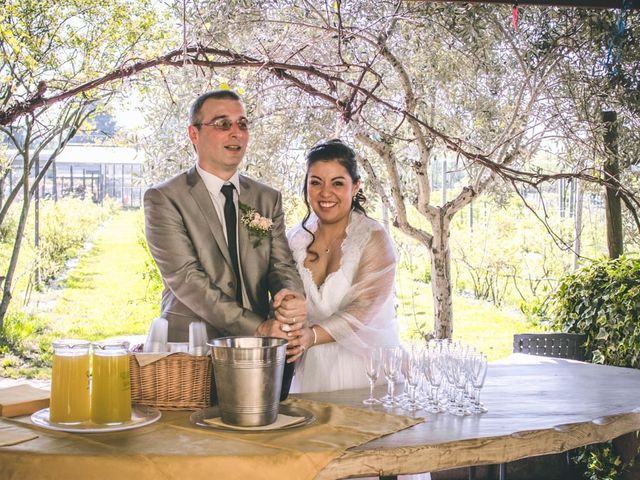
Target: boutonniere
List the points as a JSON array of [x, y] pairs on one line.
[[257, 225]]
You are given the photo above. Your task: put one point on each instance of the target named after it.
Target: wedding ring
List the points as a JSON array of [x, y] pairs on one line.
[[293, 322], [285, 327]]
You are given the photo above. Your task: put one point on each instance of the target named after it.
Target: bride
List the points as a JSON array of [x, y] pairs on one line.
[[347, 264]]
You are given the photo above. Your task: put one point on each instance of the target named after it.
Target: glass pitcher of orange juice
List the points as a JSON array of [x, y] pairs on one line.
[[111, 383], [70, 382]]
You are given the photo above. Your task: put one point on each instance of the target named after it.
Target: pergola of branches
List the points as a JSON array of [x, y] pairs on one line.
[[357, 88]]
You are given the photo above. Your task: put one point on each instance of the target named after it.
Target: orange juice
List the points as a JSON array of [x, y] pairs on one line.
[[111, 385], [70, 382]]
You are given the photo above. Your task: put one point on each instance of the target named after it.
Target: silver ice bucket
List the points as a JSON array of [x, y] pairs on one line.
[[248, 374]]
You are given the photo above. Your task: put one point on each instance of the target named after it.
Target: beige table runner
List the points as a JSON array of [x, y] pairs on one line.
[[13, 435], [173, 448]]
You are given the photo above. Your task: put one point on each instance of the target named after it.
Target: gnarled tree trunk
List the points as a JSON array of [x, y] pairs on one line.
[[441, 278]]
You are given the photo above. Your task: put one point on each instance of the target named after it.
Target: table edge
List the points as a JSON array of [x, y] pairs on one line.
[[480, 451]]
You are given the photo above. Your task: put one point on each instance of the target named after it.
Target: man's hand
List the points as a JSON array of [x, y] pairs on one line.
[[290, 312], [299, 340], [290, 308], [271, 328]]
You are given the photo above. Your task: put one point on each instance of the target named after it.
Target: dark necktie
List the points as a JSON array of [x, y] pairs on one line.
[[230, 222]]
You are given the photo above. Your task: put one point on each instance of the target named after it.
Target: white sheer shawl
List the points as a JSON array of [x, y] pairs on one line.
[[355, 304]]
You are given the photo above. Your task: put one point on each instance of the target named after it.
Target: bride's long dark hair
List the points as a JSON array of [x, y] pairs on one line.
[[334, 149]]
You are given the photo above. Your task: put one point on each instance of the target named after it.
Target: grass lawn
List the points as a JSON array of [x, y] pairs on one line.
[[105, 295], [487, 328], [475, 322]]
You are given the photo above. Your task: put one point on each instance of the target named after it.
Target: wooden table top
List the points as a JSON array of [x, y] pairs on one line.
[[537, 405]]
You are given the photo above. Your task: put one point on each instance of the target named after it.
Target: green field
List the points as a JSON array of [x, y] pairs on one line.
[[475, 322], [106, 295]]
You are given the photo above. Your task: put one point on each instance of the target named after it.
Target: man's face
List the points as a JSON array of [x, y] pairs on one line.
[[220, 151]]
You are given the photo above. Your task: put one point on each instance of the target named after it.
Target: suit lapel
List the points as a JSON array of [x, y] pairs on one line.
[[202, 198], [246, 197]]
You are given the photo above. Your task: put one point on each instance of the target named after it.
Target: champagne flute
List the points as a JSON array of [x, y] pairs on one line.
[[478, 374], [373, 357], [434, 373], [391, 359], [460, 377], [412, 364]]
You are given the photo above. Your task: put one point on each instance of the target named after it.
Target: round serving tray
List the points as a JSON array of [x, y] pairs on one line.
[[140, 416], [198, 418]]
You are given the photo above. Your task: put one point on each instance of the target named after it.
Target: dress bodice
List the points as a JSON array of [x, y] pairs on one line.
[[325, 299]]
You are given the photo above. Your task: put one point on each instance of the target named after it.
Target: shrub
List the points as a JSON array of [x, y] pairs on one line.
[[151, 273], [8, 227], [25, 345], [600, 461], [601, 300]]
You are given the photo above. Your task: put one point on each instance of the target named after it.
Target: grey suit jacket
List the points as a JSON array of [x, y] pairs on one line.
[[187, 241]]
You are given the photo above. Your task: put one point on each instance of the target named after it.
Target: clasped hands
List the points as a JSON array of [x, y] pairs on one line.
[[289, 322]]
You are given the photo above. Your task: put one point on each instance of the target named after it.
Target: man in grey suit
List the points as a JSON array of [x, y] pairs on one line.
[[219, 240]]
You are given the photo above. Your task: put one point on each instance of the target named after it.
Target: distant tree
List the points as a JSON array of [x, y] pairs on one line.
[[602, 75], [46, 48], [410, 82]]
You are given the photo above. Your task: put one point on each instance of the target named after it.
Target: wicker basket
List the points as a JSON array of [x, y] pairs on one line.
[[175, 382]]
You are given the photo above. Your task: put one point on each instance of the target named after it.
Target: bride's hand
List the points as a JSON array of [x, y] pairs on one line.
[[298, 345], [290, 326], [276, 328]]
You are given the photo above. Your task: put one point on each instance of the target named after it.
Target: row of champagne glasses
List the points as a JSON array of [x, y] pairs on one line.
[[439, 376]]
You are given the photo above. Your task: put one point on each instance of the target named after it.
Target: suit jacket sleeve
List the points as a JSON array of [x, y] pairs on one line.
[[282, 272], [168, 235]]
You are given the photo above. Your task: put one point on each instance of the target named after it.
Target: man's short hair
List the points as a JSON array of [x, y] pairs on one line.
[[196, 106]]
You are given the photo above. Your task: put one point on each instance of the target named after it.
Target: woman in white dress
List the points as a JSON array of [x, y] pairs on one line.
[[347, 264]]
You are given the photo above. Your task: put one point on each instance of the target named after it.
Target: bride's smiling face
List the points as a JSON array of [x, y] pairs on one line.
[[330, 189]]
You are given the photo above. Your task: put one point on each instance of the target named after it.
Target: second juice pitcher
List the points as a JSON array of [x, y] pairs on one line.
[[110, 383]]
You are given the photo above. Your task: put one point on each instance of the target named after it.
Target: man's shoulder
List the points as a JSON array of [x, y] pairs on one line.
[[248, 182], [178, 181]]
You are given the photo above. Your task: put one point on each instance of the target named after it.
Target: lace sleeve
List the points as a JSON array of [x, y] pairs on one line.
[[366, 316]]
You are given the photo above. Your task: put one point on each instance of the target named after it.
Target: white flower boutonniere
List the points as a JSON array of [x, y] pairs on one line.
[[257, 225]]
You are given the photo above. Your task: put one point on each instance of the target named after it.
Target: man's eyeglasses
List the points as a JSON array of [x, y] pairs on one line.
[[225, 124]]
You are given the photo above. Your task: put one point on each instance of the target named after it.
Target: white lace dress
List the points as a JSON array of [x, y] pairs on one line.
[[355, 305]]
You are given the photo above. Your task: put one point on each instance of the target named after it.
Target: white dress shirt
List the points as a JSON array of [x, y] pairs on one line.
[[214, 186]]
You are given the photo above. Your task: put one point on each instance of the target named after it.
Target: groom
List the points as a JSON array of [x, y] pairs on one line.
[[218, 263]]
